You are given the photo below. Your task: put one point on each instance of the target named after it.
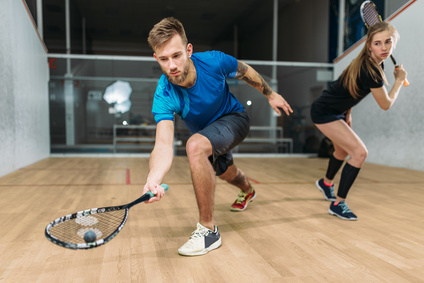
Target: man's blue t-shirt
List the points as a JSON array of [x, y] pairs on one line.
[[207, 100]]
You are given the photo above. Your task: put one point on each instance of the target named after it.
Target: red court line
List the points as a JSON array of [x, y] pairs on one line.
[[35, 27], [254, 181], [128, 177], [401, 10]]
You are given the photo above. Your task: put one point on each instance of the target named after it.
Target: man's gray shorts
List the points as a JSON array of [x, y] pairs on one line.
[[224, 134]]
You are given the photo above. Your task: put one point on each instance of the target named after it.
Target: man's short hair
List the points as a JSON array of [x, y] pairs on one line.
[[164, 31]]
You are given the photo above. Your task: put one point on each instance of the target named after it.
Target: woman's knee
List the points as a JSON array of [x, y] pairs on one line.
[[360, 154]]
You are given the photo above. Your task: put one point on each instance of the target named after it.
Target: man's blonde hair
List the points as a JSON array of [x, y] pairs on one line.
[[164, 31]]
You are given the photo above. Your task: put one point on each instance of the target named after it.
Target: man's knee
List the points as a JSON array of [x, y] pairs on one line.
[[197, 144]]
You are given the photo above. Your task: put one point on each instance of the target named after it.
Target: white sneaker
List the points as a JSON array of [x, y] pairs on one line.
[[201, 241]]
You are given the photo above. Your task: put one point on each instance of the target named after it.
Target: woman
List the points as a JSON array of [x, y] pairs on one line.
[[331, 111]]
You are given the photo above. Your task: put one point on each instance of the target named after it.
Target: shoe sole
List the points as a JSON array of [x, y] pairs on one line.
[[237, 209], [329, 199], [342, 217], [214, 246]]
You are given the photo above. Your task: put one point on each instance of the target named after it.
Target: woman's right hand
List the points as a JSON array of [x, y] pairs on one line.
[[400, 73]]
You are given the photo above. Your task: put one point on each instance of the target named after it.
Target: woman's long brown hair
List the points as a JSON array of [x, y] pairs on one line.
[[349, 77]]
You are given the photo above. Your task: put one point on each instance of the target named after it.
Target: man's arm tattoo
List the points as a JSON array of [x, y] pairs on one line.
[[262, 85], [241, 70]]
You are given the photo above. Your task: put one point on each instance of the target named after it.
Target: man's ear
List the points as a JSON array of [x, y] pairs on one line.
[[189, 49], [156, 57]]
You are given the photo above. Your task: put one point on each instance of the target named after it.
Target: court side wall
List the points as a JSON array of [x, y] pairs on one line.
[[396, 137], [24, 113]]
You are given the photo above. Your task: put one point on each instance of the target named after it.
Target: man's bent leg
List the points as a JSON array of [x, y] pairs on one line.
[[199, 149], [235, 176], [206, 237]]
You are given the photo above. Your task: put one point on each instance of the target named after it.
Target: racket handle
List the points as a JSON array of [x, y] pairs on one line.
[[165, 186], [405, 82]]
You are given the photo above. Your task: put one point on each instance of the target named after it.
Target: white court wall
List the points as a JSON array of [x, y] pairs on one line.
[[396, 137], [24, 75]]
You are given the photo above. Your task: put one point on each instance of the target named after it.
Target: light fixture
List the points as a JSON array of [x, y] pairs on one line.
[[123, 106], [119, 94]]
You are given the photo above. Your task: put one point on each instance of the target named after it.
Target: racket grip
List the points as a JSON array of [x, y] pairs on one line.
[[165, 186], [405, 82]]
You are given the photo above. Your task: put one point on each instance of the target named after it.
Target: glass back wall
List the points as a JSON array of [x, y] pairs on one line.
[[82, 119]]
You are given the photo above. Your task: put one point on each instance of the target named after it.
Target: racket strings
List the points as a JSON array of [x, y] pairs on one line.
[[102, 224], [370, 15]]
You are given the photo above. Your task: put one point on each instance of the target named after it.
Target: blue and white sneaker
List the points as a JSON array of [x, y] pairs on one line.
[[342, 210], [328, 191], [201, 241]]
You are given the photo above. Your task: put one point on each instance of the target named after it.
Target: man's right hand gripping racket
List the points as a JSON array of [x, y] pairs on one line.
[[91, 228], [370, 16]]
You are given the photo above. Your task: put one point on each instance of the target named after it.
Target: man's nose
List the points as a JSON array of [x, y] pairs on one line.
[[172, 64]]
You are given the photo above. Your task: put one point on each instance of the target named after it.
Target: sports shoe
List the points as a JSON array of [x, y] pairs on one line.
[[342, 210], [201, 241], [328, 191], [243, 200]]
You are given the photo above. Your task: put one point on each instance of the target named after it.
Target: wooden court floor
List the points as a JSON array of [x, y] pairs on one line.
[[285, 235]]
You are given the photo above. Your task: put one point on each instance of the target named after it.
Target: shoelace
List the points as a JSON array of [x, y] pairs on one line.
[[199, 232], [241, 197], [344, 207]]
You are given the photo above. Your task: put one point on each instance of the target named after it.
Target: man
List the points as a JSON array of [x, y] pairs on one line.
[[194, 87]]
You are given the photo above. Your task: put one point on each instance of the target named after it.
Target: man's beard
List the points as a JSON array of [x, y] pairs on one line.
[[181, 78]]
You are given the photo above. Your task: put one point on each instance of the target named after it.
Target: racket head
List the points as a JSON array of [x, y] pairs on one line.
[[369, 13], [68, 231]]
